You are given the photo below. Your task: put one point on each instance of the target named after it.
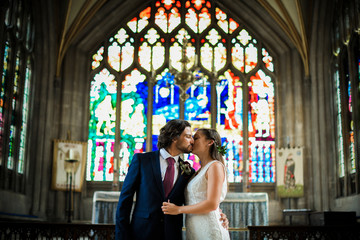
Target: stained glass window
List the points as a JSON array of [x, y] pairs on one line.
[[17, 64], [182, 40]]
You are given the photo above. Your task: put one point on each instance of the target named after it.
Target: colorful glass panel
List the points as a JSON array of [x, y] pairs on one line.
[[121, 51], [204, 19], [233, 25], [192, 19], [101, 141], [139, 23], [161, 19], [251, 57], [197, 17], [220, 56], [114, 56], [351, 127], [151, 55], [127, 56], [238, 56], [174, 19], [206, 54], [97, 58], [261, 128], [340, 137], [133, 118], [176, 51], [229, 122], [145, 56], [25, 116], [197, 105], [222, 21], [267, 60], [165, 104], [7, 54], [14, 107], [213, 55], [244, 52]]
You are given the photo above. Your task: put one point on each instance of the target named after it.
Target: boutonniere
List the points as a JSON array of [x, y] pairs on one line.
[[185, 167]]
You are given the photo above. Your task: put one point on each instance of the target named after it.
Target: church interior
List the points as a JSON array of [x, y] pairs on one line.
[[86, 84]]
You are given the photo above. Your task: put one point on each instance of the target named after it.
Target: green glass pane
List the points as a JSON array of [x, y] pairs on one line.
[[101, 139], [25, 115]]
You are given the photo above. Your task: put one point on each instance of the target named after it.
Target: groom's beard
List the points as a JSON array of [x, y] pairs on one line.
[[184, 149]]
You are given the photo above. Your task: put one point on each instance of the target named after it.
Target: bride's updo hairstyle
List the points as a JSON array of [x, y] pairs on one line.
[[212, 134]]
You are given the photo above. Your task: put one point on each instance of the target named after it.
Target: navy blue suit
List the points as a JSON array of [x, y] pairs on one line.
[[148, 220]]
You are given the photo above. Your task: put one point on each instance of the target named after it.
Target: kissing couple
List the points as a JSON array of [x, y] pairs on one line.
[[166, 187]]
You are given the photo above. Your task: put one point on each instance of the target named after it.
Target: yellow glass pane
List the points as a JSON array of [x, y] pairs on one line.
[[158, 55], [206, 57], [250, 58], [174, 19], [144, 56], [220, 56], [97, 58], [161, 19], [191, 19], [204, 19], [238, 57], [127, 56], [114, 56]]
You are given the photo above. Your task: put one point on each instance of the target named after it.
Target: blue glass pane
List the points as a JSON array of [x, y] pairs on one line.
[[197, 105], [165, 104]]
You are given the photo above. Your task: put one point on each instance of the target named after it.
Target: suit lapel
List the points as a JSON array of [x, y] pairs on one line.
[[155, 160]]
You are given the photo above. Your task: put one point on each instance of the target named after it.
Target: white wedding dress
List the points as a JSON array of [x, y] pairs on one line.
[[203, 226]]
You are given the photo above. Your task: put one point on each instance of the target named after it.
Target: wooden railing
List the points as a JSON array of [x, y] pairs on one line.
[[41, 230], [305, 232]]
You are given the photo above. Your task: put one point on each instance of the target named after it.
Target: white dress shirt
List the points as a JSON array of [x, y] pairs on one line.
[[164, 164]]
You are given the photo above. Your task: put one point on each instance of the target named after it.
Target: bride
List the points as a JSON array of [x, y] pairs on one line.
[[205, 190]]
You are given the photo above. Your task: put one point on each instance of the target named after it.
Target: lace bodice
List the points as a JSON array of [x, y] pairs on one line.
[[203, 226]]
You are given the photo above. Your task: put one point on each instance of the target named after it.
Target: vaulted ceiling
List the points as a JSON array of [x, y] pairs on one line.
[[288, 14]]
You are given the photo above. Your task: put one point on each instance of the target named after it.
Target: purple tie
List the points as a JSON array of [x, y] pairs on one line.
[[169, 176]]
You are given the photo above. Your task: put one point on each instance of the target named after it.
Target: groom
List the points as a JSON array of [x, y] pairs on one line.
[[156, 179]]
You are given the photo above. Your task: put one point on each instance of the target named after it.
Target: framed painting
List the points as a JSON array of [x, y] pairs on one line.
[[68, 165], [290, 172]]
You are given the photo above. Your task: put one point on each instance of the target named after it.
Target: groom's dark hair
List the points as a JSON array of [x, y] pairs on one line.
[[170, 131]]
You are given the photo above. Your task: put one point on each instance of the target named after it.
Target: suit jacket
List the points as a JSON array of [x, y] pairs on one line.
[[147, 220]]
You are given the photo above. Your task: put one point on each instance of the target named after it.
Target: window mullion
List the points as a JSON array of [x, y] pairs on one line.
[[115, 185], [245, 173]]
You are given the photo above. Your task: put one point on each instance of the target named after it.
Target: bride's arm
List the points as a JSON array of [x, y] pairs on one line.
[[215, 176]]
